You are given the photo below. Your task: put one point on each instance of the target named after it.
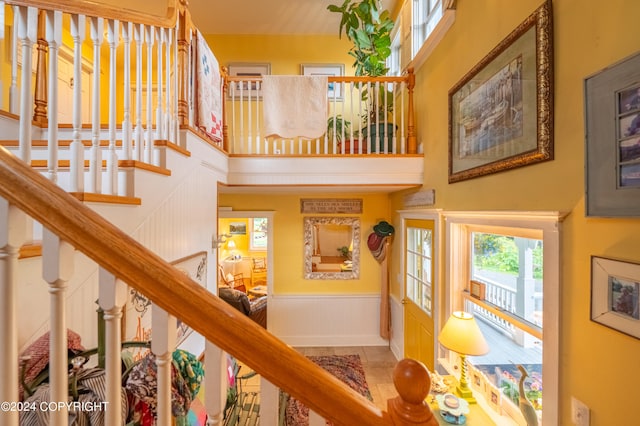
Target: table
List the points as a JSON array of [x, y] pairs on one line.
[[259, 290]]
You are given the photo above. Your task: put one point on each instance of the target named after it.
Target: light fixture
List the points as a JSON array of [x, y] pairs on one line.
[[221, 239], [461, 334], [231, 245]]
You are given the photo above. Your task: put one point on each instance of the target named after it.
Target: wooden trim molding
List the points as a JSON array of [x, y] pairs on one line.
[[121, 10]]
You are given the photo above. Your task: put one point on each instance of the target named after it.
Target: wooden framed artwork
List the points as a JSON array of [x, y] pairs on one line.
[[615, 294], [332, 70], [501, 112], [477, 290], [612, 160], [247, 88]]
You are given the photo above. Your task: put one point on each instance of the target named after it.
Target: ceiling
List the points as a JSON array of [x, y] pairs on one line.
[[267, 16]]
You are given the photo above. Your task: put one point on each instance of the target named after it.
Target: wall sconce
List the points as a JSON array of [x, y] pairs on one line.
[[221, 239], [461, 334]]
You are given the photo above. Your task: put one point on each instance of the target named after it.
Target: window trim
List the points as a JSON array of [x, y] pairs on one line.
[[436, 36], [458, 226]]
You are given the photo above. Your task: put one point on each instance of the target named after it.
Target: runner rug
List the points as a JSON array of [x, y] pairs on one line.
[[347, 368]]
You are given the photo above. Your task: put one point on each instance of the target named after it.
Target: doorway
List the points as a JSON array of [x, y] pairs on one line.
[[245, 255]]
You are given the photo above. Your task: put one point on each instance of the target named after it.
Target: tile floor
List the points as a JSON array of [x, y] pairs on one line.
[[377, 361]]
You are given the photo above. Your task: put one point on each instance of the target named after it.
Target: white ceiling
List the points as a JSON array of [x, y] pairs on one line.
[[267, 16]]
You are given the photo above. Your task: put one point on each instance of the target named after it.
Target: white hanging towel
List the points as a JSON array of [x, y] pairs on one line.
[[294, 105]]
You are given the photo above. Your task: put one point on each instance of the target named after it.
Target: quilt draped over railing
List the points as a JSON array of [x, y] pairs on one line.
[[209, 90]]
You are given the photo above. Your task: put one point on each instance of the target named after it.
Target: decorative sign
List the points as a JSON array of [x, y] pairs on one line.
[[421, 198], [331, 205]]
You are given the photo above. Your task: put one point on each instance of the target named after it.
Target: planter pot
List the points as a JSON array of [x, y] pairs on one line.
[[377, 134]]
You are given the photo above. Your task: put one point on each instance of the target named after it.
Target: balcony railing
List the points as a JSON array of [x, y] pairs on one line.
[[366, 116]]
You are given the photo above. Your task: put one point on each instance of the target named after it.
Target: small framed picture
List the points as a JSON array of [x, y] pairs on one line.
[[238, 228], [331, 70], [477, 289], [494, 397], [615, 294], [249, 84]]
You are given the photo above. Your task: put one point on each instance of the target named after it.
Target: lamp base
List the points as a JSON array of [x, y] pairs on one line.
[[466, 394]]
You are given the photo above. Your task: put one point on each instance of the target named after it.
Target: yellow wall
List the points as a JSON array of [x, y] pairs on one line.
[[597, 364], [284, 52], [288, 241]]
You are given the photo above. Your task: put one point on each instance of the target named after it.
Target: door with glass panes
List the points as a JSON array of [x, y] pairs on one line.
[[419, 291]]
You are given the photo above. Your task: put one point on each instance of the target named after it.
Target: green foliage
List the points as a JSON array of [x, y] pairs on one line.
[[500, 253], [337, 125], [369, 29], [344, 251]]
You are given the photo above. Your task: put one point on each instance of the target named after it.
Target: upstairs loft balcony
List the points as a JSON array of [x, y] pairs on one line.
[[125, 86]]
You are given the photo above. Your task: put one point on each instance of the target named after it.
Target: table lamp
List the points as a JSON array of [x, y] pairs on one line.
[[461, 334]]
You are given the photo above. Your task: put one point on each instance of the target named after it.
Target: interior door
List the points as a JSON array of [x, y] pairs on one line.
[[419, 291]]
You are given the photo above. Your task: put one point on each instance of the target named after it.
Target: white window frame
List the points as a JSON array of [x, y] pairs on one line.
[[459, 226]]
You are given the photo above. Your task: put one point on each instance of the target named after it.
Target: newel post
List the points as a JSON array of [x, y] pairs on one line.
[[412, 383], [40, 100], [412, 141], [183, 66]]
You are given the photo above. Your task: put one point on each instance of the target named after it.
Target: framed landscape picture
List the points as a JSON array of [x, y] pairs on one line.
[[501, 112]]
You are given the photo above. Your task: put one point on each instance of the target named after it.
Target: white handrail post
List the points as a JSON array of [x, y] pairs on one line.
[[27, 33], [57, 268], [138, 36], [112, 295], [2, 24], [78, 23], [159, 90], [149, 133], [14, 103], [95, 157], [215, 379], [112, 157], [127, 27], [164, 328], [168, 105], [13, 230], [54, 39]]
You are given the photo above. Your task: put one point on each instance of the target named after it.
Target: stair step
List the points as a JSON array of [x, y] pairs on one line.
[[105, 198], [64, 164], [32, 249], [43, 143]]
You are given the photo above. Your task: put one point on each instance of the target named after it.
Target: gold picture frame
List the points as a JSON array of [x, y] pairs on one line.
[[501, 112]]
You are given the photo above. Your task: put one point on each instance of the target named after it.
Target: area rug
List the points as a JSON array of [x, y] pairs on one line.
[[347, 368]]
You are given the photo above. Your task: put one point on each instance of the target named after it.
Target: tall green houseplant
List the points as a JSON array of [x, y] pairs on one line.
[[369, 29]]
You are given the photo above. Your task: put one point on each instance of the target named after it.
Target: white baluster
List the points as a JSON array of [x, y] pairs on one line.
[[148, 146], [250, 126], [164, 328], [138, 36], [215, 379], [57, 268], [27, 33], [159, 90], [112, 296], [174, 119], [269, 400], [95, 156], [127, 27], [112, 158], [2, 25], [54, 39], [258, 83], [167, 95], [14, 100], [13, 229], [78, 23]]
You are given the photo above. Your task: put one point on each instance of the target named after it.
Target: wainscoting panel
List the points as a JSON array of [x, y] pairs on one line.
[[397, 327], [326, 320]]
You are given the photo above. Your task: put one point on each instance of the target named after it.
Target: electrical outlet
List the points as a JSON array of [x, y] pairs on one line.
[[579, 413]]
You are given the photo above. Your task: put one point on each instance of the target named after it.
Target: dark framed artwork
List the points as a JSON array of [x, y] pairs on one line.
[[615, 294], [612, 121], [501, 112]]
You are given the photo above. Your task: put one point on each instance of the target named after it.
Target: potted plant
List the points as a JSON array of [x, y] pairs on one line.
[[337, 126], [369, 29]]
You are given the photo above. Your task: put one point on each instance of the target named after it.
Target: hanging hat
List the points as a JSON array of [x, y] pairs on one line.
[[374, 241], [383, 229]]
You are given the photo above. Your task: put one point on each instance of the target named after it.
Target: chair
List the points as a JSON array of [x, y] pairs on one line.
[[258, 271], [238, 283]]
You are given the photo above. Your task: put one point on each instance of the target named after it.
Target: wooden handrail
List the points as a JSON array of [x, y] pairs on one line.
[[180, 296], [95, 8]]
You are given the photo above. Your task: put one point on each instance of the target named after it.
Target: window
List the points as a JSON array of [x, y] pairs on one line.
[[258, 238], [419, 267], [504, 269], [421, 25]]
